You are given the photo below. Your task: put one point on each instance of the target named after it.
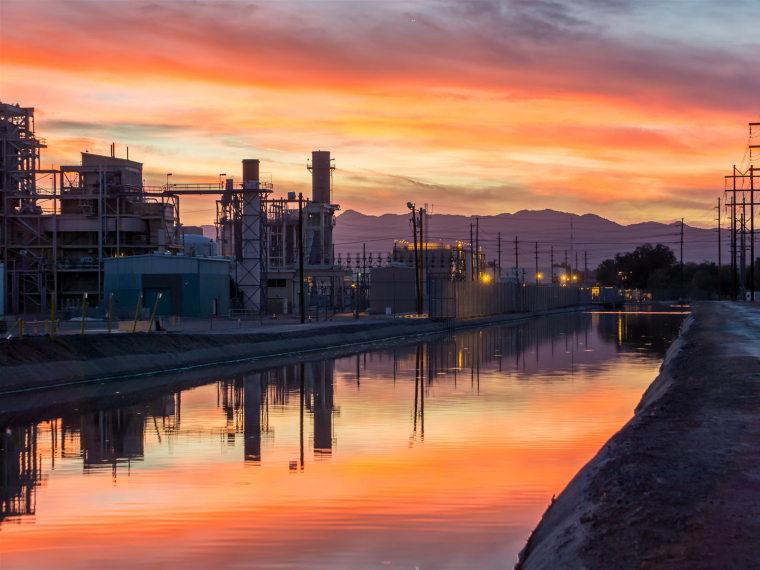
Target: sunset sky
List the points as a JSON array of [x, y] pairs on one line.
[[631, 110]]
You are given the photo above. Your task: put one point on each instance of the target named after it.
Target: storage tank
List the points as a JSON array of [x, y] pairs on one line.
[[321, 169]]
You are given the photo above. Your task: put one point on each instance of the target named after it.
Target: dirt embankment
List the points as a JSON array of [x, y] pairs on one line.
[[679, 486], [39, 361]]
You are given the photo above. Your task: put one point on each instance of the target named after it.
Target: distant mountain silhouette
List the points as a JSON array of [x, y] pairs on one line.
[[599, 237]]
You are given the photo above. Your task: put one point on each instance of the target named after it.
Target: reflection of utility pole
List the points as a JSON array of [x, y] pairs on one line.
[[301, 413], [422, 392], [416, 389]]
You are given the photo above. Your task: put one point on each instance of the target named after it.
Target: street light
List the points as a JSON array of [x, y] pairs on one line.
[[167, 180], [220, 179]]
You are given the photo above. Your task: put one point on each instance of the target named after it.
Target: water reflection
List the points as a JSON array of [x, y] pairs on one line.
[[543, 394]]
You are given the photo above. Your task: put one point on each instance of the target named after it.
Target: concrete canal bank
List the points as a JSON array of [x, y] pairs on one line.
[[38, 361], [678, 487]]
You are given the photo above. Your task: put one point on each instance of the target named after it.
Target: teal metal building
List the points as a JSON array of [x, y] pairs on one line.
[[189, 286]]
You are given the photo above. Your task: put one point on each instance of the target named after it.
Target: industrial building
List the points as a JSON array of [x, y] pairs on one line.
[[439, 259], [55, 239], [189, 286]]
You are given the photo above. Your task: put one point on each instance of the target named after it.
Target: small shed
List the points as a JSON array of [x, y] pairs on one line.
[[189, 286]]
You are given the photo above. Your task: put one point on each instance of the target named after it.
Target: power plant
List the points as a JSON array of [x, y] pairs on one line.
[[55, 239]]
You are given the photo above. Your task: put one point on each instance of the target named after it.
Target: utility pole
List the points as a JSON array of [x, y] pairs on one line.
[[363, 280], [733, 241], [719, 264], [472, 257], [571, 251], [422, 262], [752, 232], [477, 245], [536, 263], [552, 265], [300, 256], [416, 263], [742, 260], [681, 255], [498, 240], [517, 263], [585, 268], [576, 263]]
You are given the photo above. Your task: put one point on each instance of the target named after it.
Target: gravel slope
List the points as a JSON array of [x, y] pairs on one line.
[[679, 486]]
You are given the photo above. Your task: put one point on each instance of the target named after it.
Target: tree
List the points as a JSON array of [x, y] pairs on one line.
[[636, 266], [606, 273]]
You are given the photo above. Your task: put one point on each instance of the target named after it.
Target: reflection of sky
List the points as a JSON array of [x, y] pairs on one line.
[[497, 444]]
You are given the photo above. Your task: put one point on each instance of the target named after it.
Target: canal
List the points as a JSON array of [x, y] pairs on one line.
[[437, 452]]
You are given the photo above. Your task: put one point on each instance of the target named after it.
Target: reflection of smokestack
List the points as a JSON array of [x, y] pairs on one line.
[[252, 418], [320, 176], [323, 407]]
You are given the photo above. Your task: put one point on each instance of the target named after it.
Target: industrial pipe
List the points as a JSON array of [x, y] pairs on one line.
[[153, 316], [137, 312], [52, 316]]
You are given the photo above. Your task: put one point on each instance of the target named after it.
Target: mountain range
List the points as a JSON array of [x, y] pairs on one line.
[[592, 235]]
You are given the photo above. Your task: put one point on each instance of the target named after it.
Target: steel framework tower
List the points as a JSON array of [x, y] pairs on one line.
[[26, 248]]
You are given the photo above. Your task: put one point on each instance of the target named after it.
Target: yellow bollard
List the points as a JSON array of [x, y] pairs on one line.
[[46, 327], [153, 316], [137, 312], [21, 331]]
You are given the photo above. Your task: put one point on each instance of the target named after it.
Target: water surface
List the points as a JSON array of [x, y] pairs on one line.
[[441, 453]]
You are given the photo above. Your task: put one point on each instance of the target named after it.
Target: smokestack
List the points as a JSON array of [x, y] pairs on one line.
[[250, 170], [320, 176], [249, 252]]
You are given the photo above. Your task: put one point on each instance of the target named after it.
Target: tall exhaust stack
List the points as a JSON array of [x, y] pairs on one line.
[[321, 176], [248, 268]]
